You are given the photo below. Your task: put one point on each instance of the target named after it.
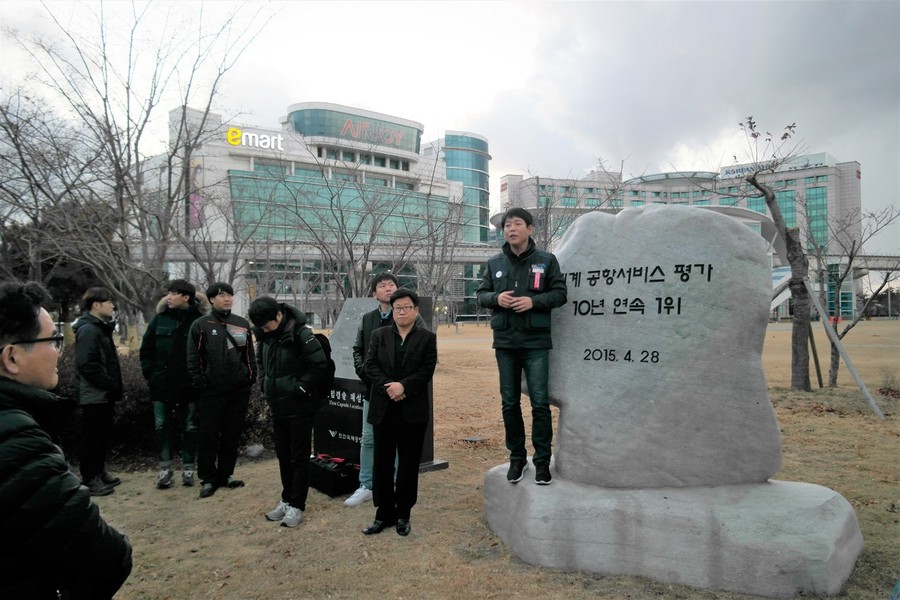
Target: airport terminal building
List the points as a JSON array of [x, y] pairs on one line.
[[306, 211], [815, 193]]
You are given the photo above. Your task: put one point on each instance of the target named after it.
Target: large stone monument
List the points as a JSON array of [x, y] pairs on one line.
[[666, 438]]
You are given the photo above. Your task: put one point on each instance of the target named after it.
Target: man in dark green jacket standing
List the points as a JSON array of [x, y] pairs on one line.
[[521, 285], [292, 366], [53, 541], [164, 366], [99, 386], [222, 369]]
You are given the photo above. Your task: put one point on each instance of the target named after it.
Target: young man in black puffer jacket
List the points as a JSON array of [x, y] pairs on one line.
[[222, 369], [99, 386], [292, 366], [164, 366], [53, 541]]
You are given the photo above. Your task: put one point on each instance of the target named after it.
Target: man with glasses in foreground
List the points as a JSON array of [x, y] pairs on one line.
[[53, 542]]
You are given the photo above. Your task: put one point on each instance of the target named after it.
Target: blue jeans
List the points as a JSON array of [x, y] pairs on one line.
[[366, 449], [535, 364]]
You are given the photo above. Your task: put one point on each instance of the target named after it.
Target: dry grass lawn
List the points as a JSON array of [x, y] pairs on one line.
[[223, 547]]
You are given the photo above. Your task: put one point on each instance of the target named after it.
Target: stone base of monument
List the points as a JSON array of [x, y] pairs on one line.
[[775, 539]]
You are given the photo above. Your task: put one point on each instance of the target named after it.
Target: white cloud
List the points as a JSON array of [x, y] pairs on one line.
[[555, 85]]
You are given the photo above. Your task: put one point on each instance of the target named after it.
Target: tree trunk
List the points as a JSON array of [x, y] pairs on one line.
[[835, 363], [833, 366], [802, 309], [799, 263]]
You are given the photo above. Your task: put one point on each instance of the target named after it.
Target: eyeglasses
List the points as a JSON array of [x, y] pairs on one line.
[[403, 309], [56, 339]]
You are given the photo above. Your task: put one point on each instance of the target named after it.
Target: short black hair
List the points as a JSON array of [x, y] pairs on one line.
[[94, 294], [263, 309], [379, 277], [218, 287], [405, 293], [183, 287], [517, 212], [20, 306]]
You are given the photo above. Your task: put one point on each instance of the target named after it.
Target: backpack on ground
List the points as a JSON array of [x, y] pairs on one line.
[[328, 379]]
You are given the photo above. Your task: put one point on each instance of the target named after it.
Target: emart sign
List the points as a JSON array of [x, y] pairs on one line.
[[237, 137]]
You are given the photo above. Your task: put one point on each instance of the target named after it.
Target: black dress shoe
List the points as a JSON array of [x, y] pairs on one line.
[[377, 527], [403, 527], [109, 479]]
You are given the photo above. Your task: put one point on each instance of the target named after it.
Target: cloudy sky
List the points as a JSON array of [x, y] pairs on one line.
[[555, 86]]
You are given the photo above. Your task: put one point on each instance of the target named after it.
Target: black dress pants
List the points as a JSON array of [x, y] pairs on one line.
[[293, 443], [396, 437], [96, 424], [222, 416]]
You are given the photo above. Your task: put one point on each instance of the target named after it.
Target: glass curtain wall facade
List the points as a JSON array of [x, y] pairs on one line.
[[306, 211], [310, 208], [467, 158]]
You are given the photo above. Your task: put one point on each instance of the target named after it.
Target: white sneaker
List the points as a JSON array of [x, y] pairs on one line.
[[164, 480], [363, 494], [292, 516], [277, 513]]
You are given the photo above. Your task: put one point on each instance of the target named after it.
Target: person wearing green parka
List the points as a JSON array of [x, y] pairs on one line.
[[164, 365]]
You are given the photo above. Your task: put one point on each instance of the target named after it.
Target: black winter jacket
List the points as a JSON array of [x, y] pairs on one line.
[[415, 372], [97, 361], [52, 537], [164, 348], [535, 273], [214, 363], [291, 366]]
